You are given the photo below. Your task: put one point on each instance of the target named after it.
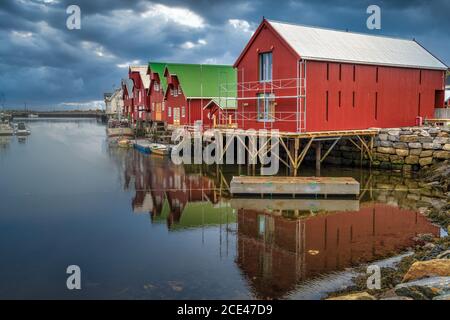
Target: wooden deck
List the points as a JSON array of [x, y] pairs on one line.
[[264, 185], [437, 121]]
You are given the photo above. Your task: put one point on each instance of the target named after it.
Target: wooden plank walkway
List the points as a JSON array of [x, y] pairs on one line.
[[265, 185]]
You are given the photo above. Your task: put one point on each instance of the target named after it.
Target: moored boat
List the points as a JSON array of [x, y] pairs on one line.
[[22, 130], [124, 143], [119, 128], [159, 149], [6, 129]]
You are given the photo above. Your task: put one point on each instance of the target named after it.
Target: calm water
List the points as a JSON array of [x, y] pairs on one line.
[[140, 227]]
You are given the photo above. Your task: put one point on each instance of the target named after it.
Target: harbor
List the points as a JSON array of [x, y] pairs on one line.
[[224, 155], [158, 214]]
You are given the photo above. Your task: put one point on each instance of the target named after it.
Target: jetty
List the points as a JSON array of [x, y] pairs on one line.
[[294, 186]]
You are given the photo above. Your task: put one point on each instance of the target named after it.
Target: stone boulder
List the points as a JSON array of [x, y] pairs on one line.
[[402, 152], [443, 155], [354, 296], [442, 297], [410, 138], [425, 161], [386, 150], [424, 289], [412, 160], [428, 269], [432, 146]]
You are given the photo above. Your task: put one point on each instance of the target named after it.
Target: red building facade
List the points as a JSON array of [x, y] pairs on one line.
[[297, 79], [156, 91], [141, 103]]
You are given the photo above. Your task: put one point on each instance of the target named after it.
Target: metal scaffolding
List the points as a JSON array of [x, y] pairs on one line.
[[286, 95]]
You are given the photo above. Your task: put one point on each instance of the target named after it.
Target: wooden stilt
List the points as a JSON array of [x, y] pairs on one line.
[[318, 157]]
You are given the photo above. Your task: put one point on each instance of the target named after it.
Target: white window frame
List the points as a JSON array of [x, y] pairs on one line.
[[267, 98], [265, 66], [169, 112], [183, 111]]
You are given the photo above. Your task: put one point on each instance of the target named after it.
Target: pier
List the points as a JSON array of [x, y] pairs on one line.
[[295, 146]]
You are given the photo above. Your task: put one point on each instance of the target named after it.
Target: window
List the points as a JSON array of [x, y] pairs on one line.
[[171, 91], [183, 111], [266, 107], [163, 106], [179, 90], [175, 92], [265, 66], [169, 111], [156, 86]]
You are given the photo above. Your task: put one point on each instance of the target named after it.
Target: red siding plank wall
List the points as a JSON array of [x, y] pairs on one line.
[[359, 96]]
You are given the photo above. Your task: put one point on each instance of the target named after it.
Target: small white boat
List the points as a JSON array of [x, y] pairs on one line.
[[22, 130], [159, 149], [31, 115], [6, 129]]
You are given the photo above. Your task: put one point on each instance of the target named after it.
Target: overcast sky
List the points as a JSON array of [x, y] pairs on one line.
[[48, 66]]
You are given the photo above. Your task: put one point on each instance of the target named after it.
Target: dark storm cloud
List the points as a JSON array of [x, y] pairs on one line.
[[44, 64]]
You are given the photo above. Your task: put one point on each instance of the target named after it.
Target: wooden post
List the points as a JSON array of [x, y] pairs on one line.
[[318, 157], [296, 148]]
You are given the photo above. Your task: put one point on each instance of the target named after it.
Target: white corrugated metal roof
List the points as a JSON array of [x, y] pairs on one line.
[[143, 73], [313, 43]]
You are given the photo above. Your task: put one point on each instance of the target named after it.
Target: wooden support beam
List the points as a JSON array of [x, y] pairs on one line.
[[318, 151], [303, 153], [330, 149]]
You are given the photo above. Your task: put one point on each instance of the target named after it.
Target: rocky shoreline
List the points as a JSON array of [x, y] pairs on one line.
[[425, 273]]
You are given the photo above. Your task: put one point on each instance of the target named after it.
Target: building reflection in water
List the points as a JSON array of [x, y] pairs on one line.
[[181, 196], [280, 242], [279, 248]]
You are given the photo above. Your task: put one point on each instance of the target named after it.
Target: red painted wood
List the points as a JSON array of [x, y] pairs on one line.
[[392, 101]]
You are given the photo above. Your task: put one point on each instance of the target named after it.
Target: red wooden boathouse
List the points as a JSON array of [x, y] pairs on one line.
[[158, 85], [141, 83], [193, 94], [297, 78]]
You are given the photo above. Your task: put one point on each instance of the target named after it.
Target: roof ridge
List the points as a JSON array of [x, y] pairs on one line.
[[199, 64], [342, 31]]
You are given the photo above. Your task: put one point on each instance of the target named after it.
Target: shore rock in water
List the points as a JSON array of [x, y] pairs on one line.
[[443, 297], [424, 289], [444, 255], [428, 269], [354, 296]]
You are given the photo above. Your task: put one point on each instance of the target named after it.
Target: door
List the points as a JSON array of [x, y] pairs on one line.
[[176, 116], [158, 111]]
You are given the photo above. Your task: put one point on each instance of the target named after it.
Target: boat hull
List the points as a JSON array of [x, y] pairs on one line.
[[120, 132]]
